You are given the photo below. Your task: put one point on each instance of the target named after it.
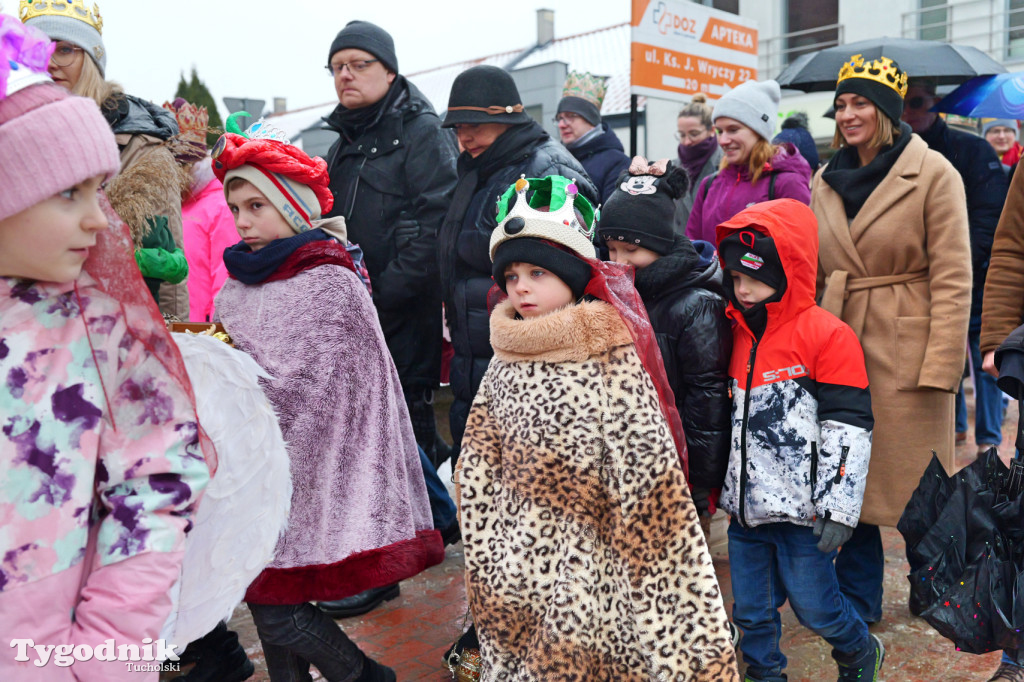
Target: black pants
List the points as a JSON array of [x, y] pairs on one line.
[[297, 635]]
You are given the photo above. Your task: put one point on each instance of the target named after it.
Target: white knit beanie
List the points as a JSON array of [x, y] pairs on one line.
[[754, 104]]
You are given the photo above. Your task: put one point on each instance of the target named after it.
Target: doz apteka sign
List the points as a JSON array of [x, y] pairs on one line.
[[680, 48]]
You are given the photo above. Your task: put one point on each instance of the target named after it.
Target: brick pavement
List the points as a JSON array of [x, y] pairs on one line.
[[412, 633]]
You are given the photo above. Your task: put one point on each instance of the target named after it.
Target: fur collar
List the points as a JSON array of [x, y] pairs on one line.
[[571, 334]]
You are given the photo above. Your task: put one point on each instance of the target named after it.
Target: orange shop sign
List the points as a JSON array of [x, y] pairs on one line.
[[680, 48]]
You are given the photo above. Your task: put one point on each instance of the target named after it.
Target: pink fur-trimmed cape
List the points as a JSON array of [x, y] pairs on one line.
[[360, 516]]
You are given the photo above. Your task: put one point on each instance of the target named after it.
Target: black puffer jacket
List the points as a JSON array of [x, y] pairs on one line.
[[986, 186], [393, 182], [603, 158], [464, 246], [683, 294]]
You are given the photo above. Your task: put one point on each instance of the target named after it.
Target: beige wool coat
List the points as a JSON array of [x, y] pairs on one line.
[[899, 274]]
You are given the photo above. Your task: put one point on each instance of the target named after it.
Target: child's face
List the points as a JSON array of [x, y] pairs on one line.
[[50, 241], [749, 291], [257, 221], [630, 254], [535, 291]]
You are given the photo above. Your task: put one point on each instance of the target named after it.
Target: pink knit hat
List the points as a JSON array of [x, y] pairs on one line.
[[50, 140]]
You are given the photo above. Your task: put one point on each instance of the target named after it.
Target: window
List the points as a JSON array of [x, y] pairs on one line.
[[933, 20], [1015, 29], [811, 26], [732, 6]]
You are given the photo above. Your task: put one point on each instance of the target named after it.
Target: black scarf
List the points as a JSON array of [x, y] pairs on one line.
[[853, 183], [354, 122], [253, 267], [513, 146], [664, 274]]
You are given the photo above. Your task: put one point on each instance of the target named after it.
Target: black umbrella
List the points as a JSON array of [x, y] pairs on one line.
[[965, 538], [946, 63]]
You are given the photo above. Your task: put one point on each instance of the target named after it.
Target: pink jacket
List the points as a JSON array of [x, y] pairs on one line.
[[208, 229], [100, 472]]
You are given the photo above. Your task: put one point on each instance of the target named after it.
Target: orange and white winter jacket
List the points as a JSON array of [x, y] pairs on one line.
[[801, 420]]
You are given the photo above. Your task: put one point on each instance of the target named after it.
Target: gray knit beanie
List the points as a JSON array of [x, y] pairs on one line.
[[1006, 122], [754, 104], [76, 32]]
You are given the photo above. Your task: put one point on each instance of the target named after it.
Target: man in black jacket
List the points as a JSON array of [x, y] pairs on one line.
[[392, 172], [986, 185]]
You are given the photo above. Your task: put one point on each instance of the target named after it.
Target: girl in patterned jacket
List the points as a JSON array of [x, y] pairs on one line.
[[584, 557], [102, 460]]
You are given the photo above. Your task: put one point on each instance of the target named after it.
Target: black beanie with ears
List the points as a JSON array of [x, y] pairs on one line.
[[641, 209]]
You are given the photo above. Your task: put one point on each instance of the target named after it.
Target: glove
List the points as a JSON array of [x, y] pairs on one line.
[[832, 534], [406, 230], [700, 499]]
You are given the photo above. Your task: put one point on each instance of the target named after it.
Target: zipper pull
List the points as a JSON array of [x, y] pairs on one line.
[[842, 464]]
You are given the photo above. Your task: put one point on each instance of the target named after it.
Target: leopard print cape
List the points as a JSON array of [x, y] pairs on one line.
[[584, 556]]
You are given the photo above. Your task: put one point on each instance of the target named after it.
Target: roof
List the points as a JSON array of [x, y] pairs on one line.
[[603, 51]]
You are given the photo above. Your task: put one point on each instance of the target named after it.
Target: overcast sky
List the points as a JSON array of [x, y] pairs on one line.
[[277, 48]]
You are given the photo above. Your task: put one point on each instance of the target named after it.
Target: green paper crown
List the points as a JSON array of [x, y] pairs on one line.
[[586, 86]]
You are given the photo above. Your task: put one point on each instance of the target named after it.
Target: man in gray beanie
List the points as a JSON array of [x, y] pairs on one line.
[[392, 173], [1002, 134]]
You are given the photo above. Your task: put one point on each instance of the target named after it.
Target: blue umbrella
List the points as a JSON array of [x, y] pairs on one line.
[[997, 96]]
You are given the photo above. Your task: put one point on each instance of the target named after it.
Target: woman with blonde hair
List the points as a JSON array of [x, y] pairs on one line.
[[752, 168], [894, 263], [699, 153], [147, 191]]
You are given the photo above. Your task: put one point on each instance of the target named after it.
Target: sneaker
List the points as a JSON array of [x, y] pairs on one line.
[[863, 666], [1008, 672]]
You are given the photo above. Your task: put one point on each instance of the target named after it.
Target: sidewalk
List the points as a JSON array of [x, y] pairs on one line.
[[413, 632]]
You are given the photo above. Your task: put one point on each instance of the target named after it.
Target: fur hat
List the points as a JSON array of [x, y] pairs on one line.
[[485, 94], [362, 35], [296, 184], [754, 254], [641, 209], [71, 22], [754, 104], [50, 140], [552, 227]]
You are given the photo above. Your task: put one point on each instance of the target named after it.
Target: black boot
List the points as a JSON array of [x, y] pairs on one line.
[[361, 603], [375, 672], [221, 659]]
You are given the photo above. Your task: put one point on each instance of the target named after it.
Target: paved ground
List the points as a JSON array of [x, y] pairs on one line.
[[412, 633]]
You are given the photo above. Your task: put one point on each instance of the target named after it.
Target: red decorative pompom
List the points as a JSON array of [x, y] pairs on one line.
[[232, 151]]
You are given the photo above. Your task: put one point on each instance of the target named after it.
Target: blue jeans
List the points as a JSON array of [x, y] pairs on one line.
[[988, 399], [771, 563], [860, 568], [442, 508]]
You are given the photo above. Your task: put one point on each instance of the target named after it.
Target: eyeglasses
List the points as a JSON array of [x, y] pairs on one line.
[[693, 134], [64, 54], [355, 66], [915, 102], [565, 118]]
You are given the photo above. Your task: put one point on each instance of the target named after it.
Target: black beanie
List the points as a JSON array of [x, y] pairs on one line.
[[641, 209], [578, 105], [881, 81], [362, 35], [754, 254], [569, 268]]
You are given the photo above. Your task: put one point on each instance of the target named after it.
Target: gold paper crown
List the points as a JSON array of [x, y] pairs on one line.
[[882, 70], [29, 9], [193, 121], [586, 86]]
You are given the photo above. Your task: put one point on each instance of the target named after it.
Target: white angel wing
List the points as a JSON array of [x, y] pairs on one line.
[[245, 507]]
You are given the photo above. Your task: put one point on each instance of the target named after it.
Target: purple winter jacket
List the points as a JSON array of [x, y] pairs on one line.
[[732, 191]]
